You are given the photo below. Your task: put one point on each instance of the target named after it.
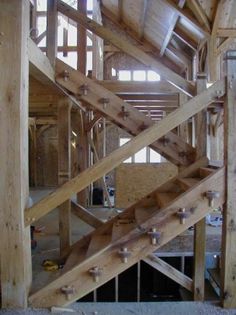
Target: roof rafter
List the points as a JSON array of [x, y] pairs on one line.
[[169, 75], [143, 18], [199, 13], [171, 28], [188, 17]]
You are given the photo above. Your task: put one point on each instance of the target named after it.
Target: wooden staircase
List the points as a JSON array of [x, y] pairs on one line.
[[131, 236]]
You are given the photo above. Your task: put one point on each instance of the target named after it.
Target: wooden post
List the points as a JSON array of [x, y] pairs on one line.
[[82, 196], [14, 188], [183, 128], [82, 39], [51, 50], [228, 294], [64, 171], [200, 227]]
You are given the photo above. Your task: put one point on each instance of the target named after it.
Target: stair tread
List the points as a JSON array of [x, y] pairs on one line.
[[142, 214], [97, 243], [206, 171], [120, 228], [166, 197], [189, 181], [75, 257]]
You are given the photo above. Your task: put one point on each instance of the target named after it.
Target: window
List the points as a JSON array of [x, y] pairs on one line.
[[124, 75], [138, 75], [145, 155]]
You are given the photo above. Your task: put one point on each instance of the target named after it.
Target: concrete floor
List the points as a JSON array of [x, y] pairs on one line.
[[162, 308]]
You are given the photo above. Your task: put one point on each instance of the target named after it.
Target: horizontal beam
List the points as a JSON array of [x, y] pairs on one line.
[[158, 87], [224, 32], [128, 48], [109, 162], [169, 271]]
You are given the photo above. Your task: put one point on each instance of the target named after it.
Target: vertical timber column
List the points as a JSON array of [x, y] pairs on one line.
[[200, 227], [15, 268], [183, 128], [228, 293], [51, 45], [83, 157], [82, 39], [64, 171]]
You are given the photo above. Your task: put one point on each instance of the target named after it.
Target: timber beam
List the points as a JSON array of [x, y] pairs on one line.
[[109, 162], [169, 271], [169, 75], [113, 107]]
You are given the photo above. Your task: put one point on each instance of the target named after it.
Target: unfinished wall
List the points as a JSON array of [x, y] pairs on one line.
[[134, 181]]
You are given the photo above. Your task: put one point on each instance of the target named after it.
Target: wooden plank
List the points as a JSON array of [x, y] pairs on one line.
[[119, 87], [135, 120], [40, 67], [173, 23], [103, 182], [143, 19], [228, 292], [185, 15], [81, 39], [127, 47], [136, 241], [212, 60], [200, 227], [169, 271], [64, 171], [108, 163], [14, 190], [97, 243], [185, 38], [225, 45], [51, 36], [83, 155], [143, 44], [85, 215], [200, 13], [226, 32]]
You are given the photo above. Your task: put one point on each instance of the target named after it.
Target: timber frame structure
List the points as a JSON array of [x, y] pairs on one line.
[[39, 90]]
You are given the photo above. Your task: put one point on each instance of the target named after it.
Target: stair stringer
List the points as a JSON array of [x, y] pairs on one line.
[[176, 151], [137, 241]]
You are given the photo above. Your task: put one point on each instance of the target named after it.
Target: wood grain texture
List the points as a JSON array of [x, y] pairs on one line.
[[134, 181]]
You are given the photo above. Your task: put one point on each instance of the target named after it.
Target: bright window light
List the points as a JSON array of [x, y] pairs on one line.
[[72, 35], [154, 157], [152, 76], [113, 72], [89, 42], [124, 75], [122, 142], [89, 64], [41, 5], [139, 75], [72, 3], [71, 58], [141, 156], [90, 5]]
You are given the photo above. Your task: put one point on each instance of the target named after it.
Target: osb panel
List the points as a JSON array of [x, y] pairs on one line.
[[134, 181]]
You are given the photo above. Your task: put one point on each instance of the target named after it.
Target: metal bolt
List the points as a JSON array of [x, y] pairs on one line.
[[182, 214], [124, 254], [68, 291], [66, 75], [211, 195], [105, 102], [84, 89], [155, 235], [96, 272]]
